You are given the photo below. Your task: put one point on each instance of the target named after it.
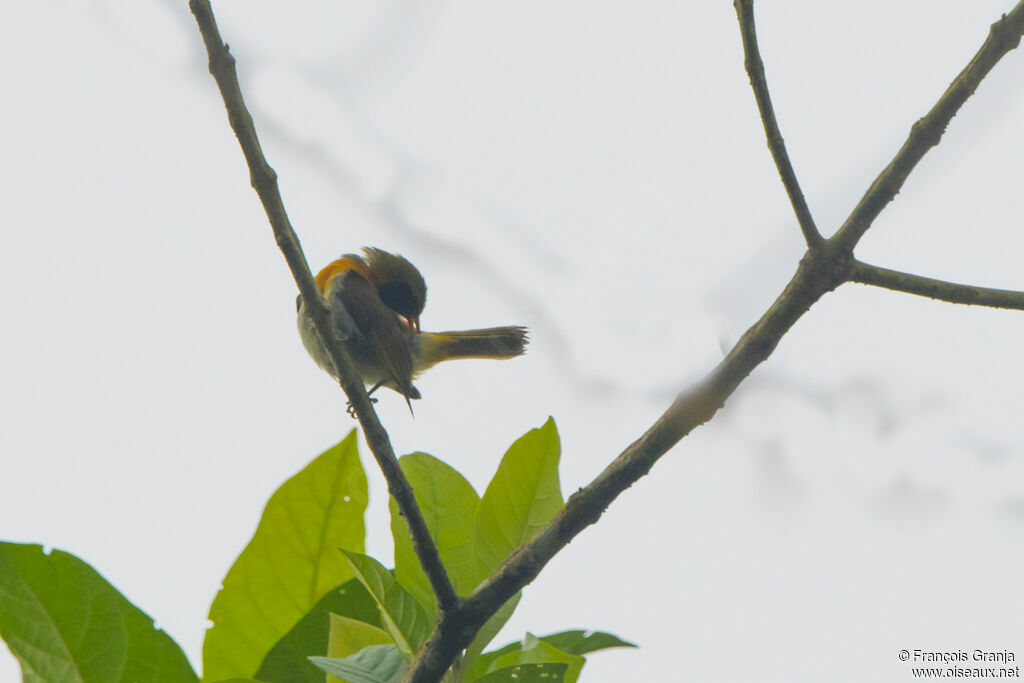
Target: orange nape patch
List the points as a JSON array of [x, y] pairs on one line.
[[340, 267]]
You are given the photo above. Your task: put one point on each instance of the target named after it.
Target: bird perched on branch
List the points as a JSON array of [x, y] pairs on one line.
[[376, 301]]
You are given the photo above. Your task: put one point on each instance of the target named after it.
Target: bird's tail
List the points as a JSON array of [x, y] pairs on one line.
[[493, 342]]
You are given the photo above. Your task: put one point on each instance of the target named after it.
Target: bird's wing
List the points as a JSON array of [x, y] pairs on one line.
[[381, 329]]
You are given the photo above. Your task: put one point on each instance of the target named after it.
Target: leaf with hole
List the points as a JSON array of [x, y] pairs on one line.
[[290, 563], [66, 624], [527, 673]]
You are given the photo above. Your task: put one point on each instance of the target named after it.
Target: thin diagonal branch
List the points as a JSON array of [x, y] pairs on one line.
[[1004, 36], [936, 289], [820, 271], [755, 70], [264, 181]]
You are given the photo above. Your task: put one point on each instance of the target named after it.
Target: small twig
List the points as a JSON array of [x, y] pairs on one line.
[[936, 289], [755, 70], [264, 181], [1004, 36]]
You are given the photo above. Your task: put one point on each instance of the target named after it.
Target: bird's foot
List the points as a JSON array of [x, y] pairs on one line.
[[351, 409]]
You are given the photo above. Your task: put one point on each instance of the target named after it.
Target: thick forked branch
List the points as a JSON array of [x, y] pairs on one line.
[[926, 133], [755, 70], [936, 289], [264, 181], [820, 271]]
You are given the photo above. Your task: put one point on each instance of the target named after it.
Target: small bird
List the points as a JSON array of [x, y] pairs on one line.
[[376, 301]]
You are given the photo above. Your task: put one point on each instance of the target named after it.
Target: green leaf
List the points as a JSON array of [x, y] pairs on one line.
[[575, 642], [482, 664], [400, 614], [449, 505], [373, 664], [536, 651], [580, 642], [521, 498], [349, 636], [288, 661], [490, 629], [66, 624], [527, 673], [474, 536], [290, 563]]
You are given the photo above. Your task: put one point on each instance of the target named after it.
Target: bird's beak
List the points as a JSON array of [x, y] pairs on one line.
[[414, 322]]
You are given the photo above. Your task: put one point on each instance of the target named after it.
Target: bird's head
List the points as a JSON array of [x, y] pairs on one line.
[[399, 285]]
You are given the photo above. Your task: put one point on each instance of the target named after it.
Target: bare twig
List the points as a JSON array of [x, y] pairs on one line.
[[264, 181], [936, 289], [1004, 36], [755, 70]]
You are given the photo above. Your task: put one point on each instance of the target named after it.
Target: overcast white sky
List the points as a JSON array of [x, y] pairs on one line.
[[596, 171]]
